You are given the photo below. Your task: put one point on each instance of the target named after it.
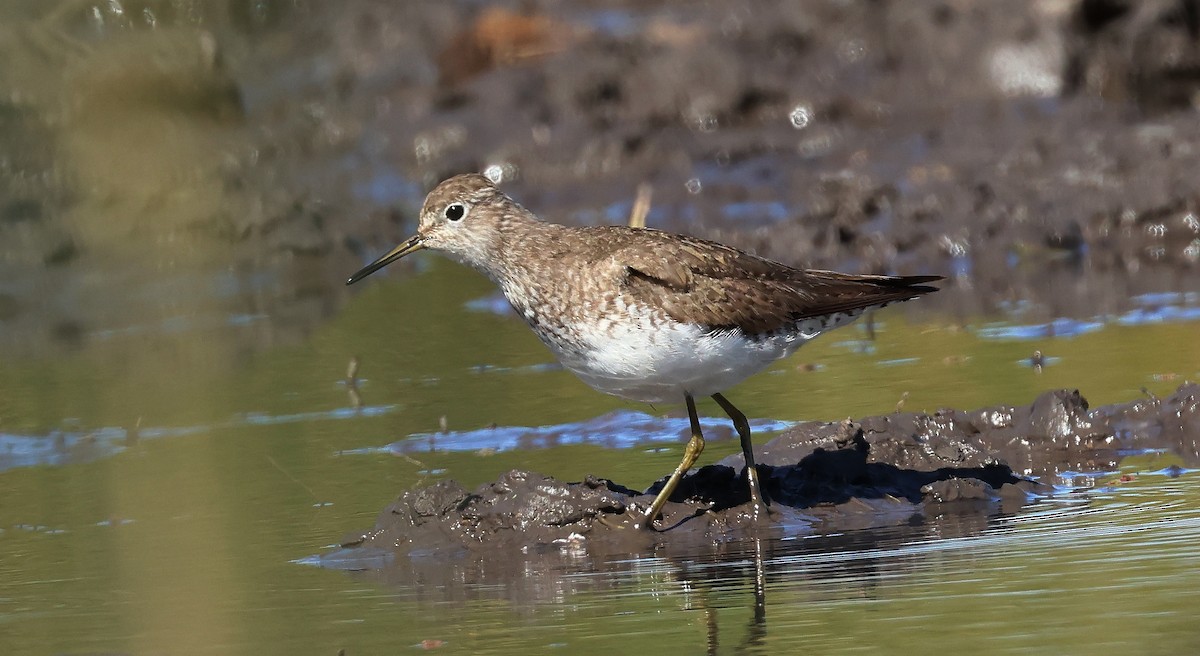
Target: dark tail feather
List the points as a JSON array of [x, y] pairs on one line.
[[911, 284], [831, 291]]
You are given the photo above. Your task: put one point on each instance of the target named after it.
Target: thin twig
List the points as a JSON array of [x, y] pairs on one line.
[[641, 206]]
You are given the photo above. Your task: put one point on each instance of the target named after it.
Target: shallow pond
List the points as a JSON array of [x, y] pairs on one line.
[[164, 488], [184, 186]]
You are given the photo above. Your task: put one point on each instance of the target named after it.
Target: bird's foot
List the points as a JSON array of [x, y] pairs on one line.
[[759, 507], [605, 521], [759, 512], [644, 521], [658, 521]]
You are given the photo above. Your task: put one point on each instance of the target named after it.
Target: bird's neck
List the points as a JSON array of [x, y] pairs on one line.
[[526, 246]]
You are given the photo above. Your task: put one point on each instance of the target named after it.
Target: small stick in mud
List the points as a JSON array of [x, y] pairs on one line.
[[641, 206]]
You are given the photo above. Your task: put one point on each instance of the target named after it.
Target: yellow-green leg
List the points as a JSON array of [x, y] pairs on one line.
[[757, 498], [692, 451]]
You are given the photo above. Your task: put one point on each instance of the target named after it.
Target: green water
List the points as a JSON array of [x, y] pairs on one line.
[[181, 540], [176, 432]]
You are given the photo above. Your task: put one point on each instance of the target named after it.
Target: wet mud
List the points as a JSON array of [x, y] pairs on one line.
[[1041, 151], [902, 469]]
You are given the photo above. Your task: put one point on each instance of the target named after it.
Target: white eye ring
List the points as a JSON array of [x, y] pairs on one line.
[[455, 211]]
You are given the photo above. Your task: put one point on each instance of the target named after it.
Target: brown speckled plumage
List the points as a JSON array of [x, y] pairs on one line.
[[690, 280]]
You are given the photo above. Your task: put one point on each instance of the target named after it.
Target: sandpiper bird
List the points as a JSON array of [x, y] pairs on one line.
[[644, 314]]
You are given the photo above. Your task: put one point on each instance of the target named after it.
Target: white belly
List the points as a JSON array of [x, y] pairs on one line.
[[659, 362], [628, 350]]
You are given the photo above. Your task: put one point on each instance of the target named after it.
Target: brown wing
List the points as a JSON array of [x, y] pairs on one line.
[[723, 288]]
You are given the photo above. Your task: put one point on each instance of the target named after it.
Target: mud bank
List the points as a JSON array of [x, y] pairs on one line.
[[1040, 151], [890, 470]]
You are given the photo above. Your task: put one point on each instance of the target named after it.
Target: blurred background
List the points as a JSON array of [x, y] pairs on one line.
[[218, 159], [186, 184]]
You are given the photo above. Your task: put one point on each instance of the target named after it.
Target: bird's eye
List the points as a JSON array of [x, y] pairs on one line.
[[455, 211]]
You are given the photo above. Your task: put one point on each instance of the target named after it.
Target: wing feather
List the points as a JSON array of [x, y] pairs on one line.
[[720, 287]]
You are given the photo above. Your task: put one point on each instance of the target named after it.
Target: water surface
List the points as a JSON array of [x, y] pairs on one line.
[[178, 437], [159, 487]]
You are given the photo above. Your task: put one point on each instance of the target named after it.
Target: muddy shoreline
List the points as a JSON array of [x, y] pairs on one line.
[[1039, 152], [899, 469]]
